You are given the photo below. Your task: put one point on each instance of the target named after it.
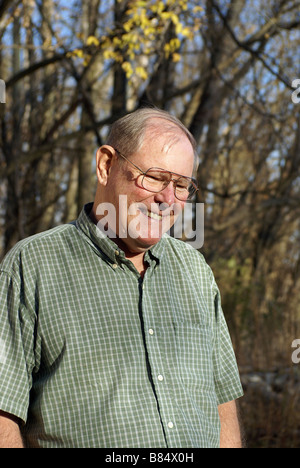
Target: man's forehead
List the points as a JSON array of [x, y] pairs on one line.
[[164, 133]]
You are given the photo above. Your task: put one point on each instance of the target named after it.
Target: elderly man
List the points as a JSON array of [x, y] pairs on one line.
[[111, 331]]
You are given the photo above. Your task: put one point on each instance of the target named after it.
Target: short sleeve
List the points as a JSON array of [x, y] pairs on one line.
[[16, 348], [226, 374]]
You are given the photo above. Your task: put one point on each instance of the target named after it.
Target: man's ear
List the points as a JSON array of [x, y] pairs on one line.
[[104, 160]]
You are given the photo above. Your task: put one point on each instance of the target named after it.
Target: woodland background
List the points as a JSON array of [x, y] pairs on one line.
[[225, 68]]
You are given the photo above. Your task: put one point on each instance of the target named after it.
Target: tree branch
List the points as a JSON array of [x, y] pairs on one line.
[[36, 66], [257, 38]]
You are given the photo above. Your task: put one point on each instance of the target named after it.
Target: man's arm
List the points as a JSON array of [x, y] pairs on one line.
[[230, 427], [10, 435]]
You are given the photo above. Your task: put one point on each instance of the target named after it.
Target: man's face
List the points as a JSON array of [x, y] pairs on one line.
[[143, 216]]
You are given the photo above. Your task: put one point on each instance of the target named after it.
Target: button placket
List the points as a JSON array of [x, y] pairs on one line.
[[152, 341]]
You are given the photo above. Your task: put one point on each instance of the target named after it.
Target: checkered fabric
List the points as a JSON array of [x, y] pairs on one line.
[[92, 355]]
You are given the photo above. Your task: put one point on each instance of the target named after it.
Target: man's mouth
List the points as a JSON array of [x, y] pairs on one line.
[[155, 216], [161, 213]]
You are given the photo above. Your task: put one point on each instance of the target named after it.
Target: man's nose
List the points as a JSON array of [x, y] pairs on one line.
[[167, 195]]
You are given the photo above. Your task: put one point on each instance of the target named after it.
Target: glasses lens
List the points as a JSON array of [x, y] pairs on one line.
[[185, 189], [155, 180]]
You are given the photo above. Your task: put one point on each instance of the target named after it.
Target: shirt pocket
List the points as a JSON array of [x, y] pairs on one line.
[[194, 356]]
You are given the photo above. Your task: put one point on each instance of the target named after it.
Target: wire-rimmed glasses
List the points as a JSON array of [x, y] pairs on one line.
[[155, 180]]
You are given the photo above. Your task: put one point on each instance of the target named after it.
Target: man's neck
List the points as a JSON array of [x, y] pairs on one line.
[[137, 258]]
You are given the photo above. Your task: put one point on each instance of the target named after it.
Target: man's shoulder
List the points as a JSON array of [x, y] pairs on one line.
[[183, 250], [35, 244], [189, 260], [53, 235]]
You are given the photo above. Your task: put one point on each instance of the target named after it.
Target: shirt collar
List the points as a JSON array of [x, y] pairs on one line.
[[106, 245]]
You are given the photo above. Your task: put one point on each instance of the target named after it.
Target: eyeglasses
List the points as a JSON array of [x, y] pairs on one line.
[[156, 180]]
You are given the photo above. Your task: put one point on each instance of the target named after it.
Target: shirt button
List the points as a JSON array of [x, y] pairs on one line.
[[115, 266], [170, 425], [160, 378], [117, 253], [151, 331]]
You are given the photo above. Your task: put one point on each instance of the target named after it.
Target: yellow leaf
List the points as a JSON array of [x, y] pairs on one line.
[[187, 33], [127, 69], [109, 54], [127, 26], [176, 57], [142, 73], [174, 44], [116, 41], [158, 7], [166, 15], [175, 19], [86, 61], [179, 28], [78, 53], [92, 40], [106, 42], [184, 6]]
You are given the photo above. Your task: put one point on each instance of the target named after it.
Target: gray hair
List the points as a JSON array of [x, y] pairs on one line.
[[127, 133]]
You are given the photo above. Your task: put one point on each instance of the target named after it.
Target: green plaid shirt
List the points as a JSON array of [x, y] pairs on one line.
[[92, 355]]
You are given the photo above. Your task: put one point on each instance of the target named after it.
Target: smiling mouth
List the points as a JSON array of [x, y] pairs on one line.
[[159, 213], [155, 216]]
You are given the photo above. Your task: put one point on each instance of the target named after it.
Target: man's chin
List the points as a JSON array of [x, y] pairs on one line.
[[136, 246], [142, 244]]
